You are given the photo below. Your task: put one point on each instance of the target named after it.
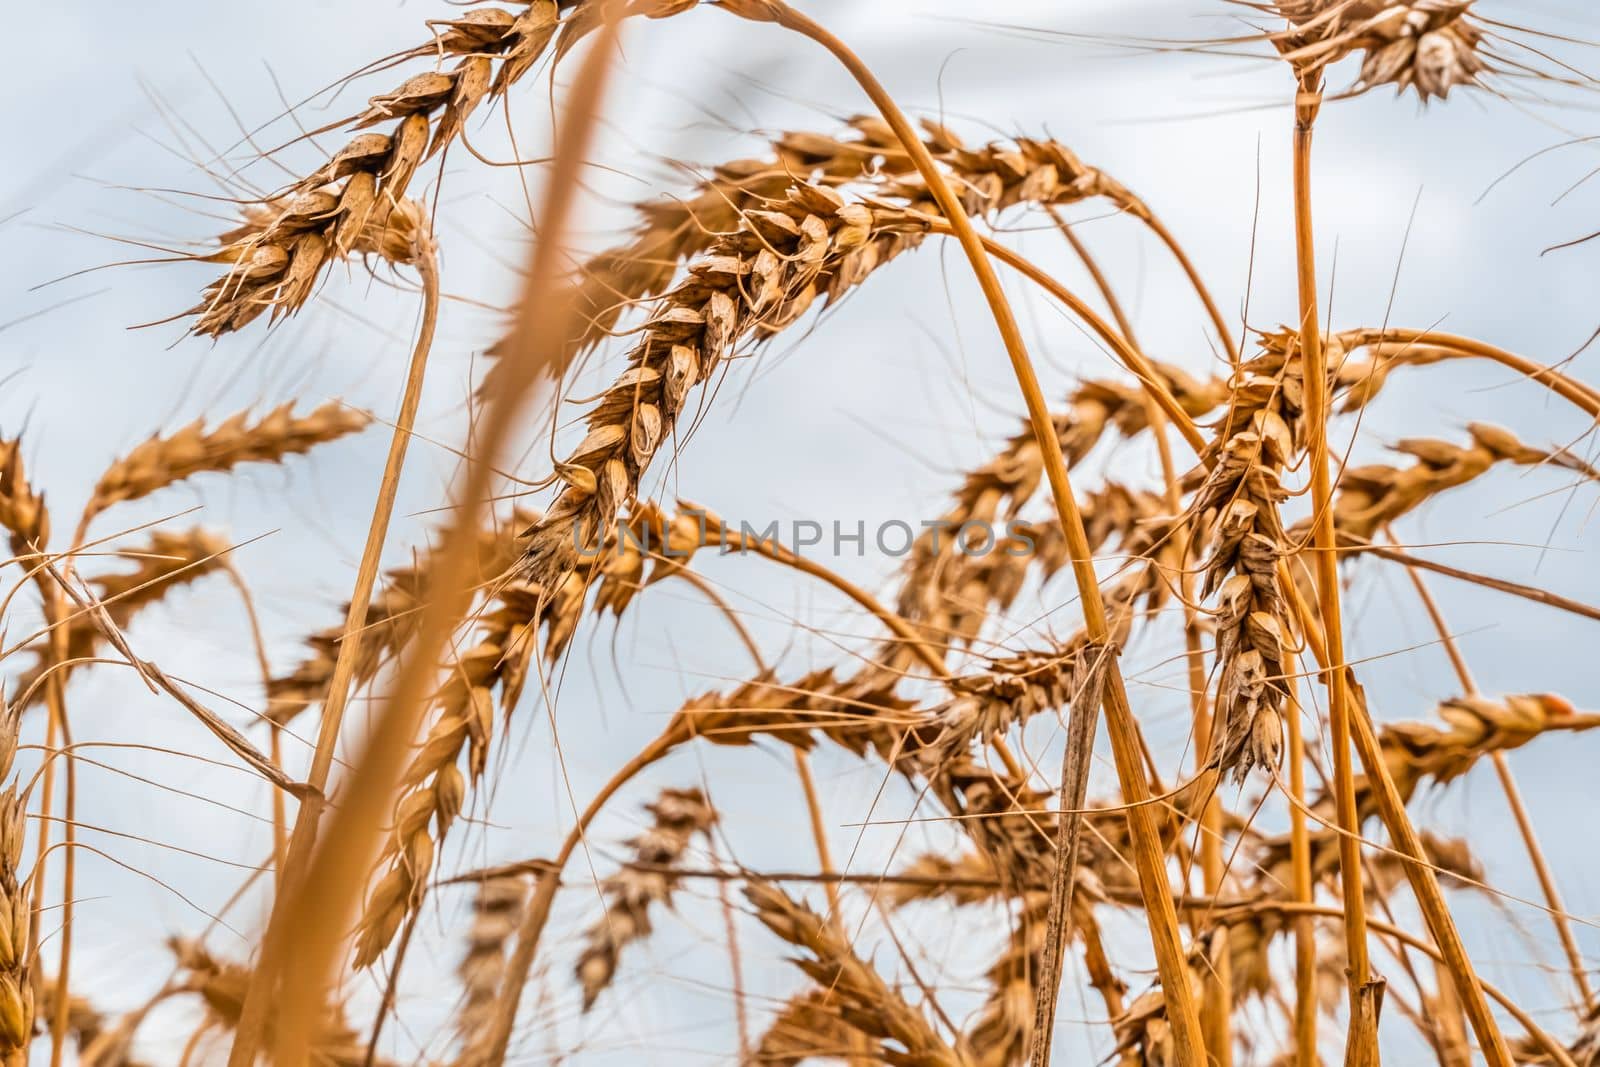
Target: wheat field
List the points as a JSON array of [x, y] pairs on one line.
[[730, 531]]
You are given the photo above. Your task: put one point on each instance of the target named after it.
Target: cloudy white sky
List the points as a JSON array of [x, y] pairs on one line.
[[871, 417]]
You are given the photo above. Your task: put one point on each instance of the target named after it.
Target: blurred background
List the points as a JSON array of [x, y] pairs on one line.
[[128, 113]]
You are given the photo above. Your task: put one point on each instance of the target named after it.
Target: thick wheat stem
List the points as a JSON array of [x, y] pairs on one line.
[[1160, 913], [1217, 1007], [1362, 1041]]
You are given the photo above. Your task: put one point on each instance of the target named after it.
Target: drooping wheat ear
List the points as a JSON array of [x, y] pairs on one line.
[[463, 716], [22, 511], [859, 713], [464, 708], [356, 202], [1430, 46], [753, 283], [672, 230], [166, 562], [808, 1027], [16, 954], [948, 586], [221, 984], [865, 1001], [276, 255], [392, 619], [1474, 727], [1419, 752], [494, 921], [1371, 496], [1240, 499], [162, 461], [677, 816]]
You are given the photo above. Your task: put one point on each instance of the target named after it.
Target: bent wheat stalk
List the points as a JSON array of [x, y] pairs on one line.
[[1160, 914]]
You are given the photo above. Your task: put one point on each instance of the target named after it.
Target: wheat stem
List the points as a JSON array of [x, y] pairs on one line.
[[1305, 942], [1362, 1042], [1160, 914], [1391, 809], [55, 611], [249, 1033]]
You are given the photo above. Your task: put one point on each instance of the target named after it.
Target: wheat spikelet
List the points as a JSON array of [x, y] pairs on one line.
[[1241, 495], [807, 1027], [22, 511], [865, 1001], [162, 461], [494, 921], [166, 562], [754, 282], [276, 255], [1371, 496], [859, 713], [949, 587], [221, 985], [1430, 46], [16, 952], [392, 620], [678, 815]]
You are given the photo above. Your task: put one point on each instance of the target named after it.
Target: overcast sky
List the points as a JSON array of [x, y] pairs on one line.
[[870, 416]]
